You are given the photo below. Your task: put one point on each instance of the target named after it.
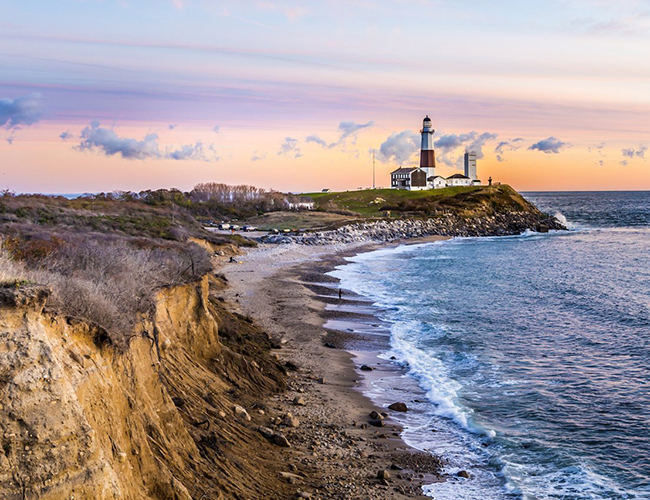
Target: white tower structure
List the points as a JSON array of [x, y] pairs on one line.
[[470, 165], [427, 154]]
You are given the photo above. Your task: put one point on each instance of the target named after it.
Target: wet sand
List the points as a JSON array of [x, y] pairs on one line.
[[337, 453]]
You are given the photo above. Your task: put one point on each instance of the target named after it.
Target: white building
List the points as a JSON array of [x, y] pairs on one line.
[[458, 180], [437, 182], [413, 179], [470, 167]]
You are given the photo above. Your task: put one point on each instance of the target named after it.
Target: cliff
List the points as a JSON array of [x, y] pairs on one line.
[[474, 211], [80, 419]]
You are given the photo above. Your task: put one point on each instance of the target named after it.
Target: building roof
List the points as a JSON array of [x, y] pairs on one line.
[[404, 170], [458, 176]]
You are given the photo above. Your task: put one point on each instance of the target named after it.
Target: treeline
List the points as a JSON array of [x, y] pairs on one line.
[[209, 199]]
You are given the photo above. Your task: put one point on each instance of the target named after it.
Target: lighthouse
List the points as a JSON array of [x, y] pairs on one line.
[[427, 154]]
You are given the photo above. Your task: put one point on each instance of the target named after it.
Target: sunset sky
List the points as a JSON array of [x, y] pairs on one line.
[[130, 95]]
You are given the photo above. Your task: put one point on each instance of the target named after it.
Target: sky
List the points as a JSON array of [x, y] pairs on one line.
[[104, 95]]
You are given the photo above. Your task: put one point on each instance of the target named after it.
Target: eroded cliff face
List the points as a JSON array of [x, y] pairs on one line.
[[82, 420]]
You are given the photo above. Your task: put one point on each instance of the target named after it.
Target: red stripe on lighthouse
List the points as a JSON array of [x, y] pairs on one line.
[[427, 159]]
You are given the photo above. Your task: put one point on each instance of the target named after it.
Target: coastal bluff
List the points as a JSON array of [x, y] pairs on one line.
[[461, 212], [82, 419]]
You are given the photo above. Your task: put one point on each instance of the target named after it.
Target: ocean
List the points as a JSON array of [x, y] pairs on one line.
[[524, 360]]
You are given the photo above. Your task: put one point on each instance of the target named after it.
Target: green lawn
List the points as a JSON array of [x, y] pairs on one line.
[[361, 201]]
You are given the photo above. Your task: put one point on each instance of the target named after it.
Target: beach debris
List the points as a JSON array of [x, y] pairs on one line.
[[401, 407], [299, 401], [241, 413], [366, 368], [463, 473]]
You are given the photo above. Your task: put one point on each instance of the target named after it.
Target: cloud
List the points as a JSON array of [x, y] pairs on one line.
[[25, 110], [258, 157], [399, 147], [290, 147], [195, 152], [172, 126], [65, 135], [348, 130], [635, 153], [321, 142], [507, 146], [448, 146], [95, 137], [551, 145], [216, 129], [625, 163], [601, 163], [98, 138]]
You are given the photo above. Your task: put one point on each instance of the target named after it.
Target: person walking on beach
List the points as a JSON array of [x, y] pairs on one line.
[[340, 293]]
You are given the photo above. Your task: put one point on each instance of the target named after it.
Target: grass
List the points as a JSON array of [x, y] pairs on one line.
[[361, 201], [462, 201], [312, 220]]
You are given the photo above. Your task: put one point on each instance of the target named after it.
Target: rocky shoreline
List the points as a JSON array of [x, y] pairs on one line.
[[450, 225]]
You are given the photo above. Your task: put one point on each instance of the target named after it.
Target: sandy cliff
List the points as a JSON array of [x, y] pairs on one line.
[[80, 419]]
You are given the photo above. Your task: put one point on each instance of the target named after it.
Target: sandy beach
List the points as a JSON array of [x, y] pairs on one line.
[[337, 451]]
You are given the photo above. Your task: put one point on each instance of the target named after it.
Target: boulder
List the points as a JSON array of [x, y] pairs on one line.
[[463, 473], [375, 415], [366, 368], [401, 407], [299, 401]]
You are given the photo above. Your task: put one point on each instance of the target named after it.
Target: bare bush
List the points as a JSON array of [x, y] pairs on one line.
[[106, 280]]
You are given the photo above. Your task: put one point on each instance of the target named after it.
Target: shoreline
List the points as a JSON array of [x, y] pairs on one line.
[[287, 291]]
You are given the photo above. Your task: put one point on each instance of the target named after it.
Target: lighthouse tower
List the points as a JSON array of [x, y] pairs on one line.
[[427, 154]]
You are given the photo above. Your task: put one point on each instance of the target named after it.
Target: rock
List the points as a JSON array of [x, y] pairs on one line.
[[330, 345], [377, 423], [289, 477], [266, 432], [366, 368], [241, 413], [383, 474], [304, 494], [395, 467], [463, 473], [375, 415], [320, 380], [398, 407], [281, 440], [299, 401], [290, 421], [222, 414]]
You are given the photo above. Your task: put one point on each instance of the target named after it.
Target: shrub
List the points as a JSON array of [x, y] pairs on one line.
[[106, 280]]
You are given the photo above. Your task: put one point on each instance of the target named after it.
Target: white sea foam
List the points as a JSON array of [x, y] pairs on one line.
[[459, 435]]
